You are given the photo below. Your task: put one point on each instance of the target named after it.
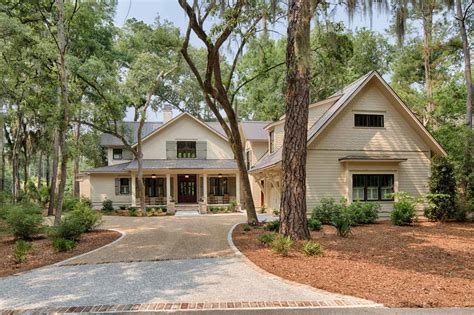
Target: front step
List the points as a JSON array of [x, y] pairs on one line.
[[187, 210]]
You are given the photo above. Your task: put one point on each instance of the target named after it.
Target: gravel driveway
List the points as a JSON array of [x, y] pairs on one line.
[[170, 260]]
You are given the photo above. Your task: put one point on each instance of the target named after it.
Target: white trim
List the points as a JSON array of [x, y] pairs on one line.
[[369, 172]]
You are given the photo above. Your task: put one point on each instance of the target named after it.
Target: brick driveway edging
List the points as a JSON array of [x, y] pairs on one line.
[[190, 306]]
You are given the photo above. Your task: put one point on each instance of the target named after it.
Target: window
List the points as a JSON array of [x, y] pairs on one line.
[[272, 141], [218, 186], [155, 187], [186, 150], [366, 120], [117, 154], [124, 186], [372, 187], [248, 159]]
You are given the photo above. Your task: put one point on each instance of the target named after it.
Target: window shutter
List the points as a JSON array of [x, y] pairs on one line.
[[127, 155], [117, 186], [171, 150], [201, 150]]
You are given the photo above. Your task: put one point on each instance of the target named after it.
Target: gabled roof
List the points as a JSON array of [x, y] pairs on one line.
[[117, 168], [345, 96], [131, 127], [254, 130]]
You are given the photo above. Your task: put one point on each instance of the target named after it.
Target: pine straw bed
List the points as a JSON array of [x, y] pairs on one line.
[[429, 265], [44, 254]]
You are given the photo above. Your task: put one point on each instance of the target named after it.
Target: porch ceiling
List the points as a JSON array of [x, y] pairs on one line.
[[157, 164]]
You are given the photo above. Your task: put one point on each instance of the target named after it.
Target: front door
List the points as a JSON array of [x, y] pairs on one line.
[[187, 189]]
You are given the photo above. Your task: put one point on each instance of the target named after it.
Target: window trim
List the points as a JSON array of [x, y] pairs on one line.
[[113, 154], [271, 141], [121, 185], [369, 114], [379, 193], [187, 150], [220, 190]]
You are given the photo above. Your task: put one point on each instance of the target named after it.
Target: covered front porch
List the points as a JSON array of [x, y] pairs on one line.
[[188, 187]]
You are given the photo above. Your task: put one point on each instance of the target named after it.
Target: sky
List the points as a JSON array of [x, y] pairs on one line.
[[148, 10]]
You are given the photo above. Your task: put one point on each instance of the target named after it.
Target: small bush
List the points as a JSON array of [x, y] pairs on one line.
[[70, 228], [311, 248], [123, 207], [86, 202], [326, 210], [464, 208], [273, 226], [439, 208], [282, 245], [21, 251], [233, 206], [70, 202], [364, 212], [276, 212], [342, 221], [63, 245], [267, 238], [88, 217], [107, 205], [132, 211], [314, 224], [404, 209], [247, 228], [25, 220], [443, 190]]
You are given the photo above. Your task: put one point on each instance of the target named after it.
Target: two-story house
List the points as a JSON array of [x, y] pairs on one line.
[[363, 144]]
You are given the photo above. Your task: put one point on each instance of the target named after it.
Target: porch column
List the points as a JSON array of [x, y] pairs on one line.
[[168, 188], [204, 188], [237, 188], [134, 190]]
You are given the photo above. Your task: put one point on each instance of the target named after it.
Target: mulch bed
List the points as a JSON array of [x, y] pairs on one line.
[[428, 265], [44, 254]]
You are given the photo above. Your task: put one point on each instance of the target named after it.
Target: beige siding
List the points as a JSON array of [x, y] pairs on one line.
[[279, 135], [110, 158], [85, 186], [258, 149], [103, 187], [186, 128], [315, 112]]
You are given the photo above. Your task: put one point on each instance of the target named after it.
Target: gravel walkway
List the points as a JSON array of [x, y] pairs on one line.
[[99, 279]]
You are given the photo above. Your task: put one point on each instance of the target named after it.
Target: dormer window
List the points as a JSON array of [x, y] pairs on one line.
[[117, 154], [368, 120], [186, 150], [271, 147]]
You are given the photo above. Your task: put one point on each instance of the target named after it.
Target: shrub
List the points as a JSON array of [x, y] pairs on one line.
[[442, 200], [273, 226], [43, 194], [342, 221], [326, 210], [87, 217], [233, 206], [123, 207], [107, 205], [86, 202], [404, 209], [311, 248], [314, 224], [267, 238], [282, 245], [132, 211], [63, 245], [70, 202], [276, 212], [21, 250], [364, 212], [436, 210], [246, 228], [25, 220], [70, 228], [464, 207]]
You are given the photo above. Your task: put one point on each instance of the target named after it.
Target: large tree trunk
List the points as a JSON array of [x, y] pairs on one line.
[[427, 60], [65, 110], [293, 219], [467, 163], [48, 169], [77, 137], [54, 176]]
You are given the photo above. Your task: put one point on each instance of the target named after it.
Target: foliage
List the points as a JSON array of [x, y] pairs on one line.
[[246, 228], [404, 209], [267, 238], [107, 205], [314, 224], [364, 212], [282, 245], [21, 251], [342, 221], [132, 211], [63, 245], [276, 212], [311, 248], [88, 217], [325, 211], [70, 202], [233, 206], [273, 226], [464, 209], [442, 199], [25, 220]]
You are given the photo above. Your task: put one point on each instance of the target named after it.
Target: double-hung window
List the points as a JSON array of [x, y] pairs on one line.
[[124, 186], [372, 187], [218, 186]]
